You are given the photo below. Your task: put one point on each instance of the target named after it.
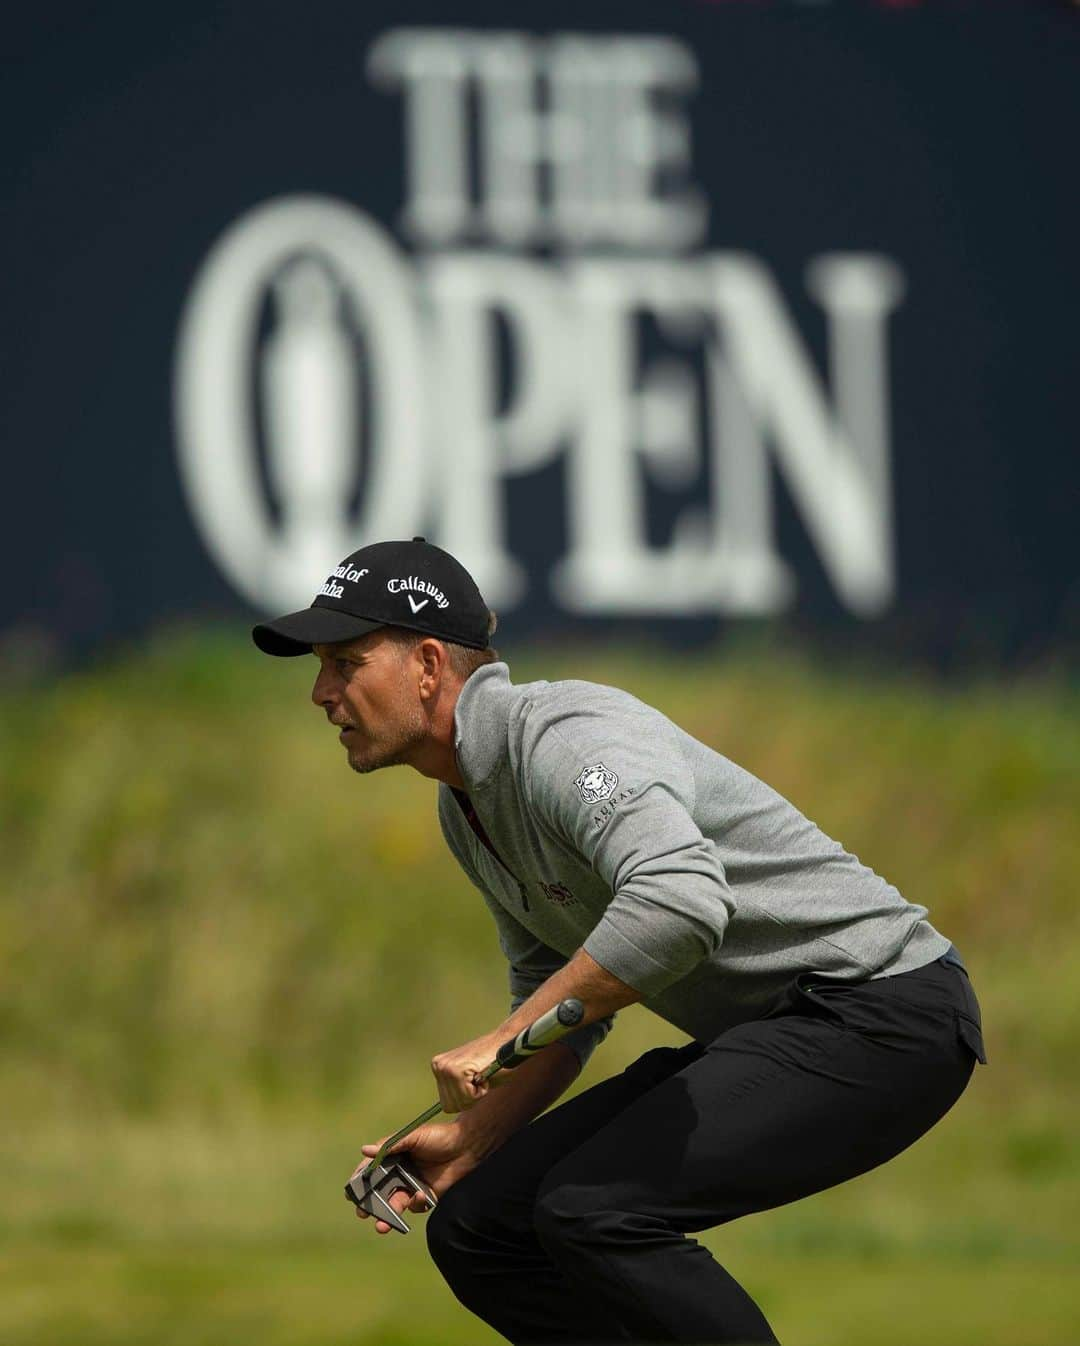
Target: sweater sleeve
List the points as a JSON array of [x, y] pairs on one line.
[[530, 961], [607, 775]]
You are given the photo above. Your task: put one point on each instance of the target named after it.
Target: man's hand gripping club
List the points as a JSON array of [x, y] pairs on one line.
[[372, 1187]]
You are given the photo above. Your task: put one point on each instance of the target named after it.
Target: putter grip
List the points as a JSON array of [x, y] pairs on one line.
[[555, 1024]]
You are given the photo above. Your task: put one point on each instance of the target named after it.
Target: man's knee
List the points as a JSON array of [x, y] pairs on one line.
[[448, 1231], [462, 1225]]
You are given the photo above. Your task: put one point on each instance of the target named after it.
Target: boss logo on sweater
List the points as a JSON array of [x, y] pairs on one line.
[[596, 783], [558, 892]]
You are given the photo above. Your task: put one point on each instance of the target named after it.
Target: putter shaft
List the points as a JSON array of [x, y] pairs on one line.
[[555, 1024]]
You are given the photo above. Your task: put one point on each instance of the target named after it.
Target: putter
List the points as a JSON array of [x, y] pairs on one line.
[[377, 1182]]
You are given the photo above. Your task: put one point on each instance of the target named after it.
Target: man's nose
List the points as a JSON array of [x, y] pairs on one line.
[[322, 690]]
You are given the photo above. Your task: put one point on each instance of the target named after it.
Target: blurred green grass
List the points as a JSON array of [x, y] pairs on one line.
[[225, 962]]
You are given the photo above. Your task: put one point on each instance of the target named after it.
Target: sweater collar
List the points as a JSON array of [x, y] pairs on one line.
[[481, 721]]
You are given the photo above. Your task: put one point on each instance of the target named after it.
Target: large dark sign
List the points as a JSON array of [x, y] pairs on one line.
[[678, 317]]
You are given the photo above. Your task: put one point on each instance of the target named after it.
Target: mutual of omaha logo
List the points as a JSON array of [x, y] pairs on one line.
[[596, 783], [332, 589]]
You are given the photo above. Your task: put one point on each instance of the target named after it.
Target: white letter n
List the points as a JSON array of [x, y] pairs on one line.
[[837, 466]]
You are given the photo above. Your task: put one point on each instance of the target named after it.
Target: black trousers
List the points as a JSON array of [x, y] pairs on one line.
[[576, 1230]]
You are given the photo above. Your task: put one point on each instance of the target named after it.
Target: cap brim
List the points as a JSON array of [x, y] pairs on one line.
[[298, 631]]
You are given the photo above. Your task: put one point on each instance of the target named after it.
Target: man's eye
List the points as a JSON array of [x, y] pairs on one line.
[[344, 664]]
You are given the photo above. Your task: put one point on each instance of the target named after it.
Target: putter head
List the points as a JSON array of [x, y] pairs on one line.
[[373, 1187]]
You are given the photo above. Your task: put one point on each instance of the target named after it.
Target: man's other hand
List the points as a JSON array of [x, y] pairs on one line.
[[437, 1155]]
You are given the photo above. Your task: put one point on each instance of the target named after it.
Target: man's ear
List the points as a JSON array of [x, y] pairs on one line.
[[433, 660]]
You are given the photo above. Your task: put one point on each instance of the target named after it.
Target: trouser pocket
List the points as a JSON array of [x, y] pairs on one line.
[[969, 1016], [970, 1034]]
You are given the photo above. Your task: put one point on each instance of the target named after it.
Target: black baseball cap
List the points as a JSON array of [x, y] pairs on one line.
[[412, 584]]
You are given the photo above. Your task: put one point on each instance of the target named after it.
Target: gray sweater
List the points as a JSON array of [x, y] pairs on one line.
[[590, 820]]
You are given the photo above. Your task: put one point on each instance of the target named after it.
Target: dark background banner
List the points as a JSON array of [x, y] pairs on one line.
[[725, 312]]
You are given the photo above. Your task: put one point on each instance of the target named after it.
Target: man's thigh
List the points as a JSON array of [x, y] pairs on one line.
[[505, 1184], [769, 1112]]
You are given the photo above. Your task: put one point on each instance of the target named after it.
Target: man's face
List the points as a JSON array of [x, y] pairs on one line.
[[368, 687]]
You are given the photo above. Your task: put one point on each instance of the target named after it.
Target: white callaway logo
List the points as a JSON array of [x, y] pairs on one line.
[[398, 586], [596, 783]]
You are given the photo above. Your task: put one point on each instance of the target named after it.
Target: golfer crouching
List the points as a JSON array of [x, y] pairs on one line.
[[623, 861]]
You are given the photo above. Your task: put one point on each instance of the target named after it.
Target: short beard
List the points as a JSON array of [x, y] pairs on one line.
[[396, 753], [394, 758]]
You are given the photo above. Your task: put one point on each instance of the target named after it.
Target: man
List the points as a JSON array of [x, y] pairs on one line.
[[624, 861]]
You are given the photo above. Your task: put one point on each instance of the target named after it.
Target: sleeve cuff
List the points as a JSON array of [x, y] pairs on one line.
[[617, 955]]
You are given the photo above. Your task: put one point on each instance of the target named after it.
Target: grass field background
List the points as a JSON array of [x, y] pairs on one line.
[[225, 961]]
